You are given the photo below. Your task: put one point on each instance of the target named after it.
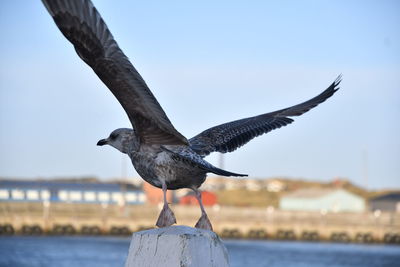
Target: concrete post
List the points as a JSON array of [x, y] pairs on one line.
[[176, 246]]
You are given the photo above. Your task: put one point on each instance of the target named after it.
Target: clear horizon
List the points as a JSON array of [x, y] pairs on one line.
[[208, 63]]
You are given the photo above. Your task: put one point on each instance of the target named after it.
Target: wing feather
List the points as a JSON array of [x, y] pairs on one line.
[[82, 25], [229, 136]]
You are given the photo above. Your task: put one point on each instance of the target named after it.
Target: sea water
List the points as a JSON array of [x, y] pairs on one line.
[[80, 251]]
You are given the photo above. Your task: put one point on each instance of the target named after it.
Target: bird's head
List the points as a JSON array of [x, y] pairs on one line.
[[122, 139]]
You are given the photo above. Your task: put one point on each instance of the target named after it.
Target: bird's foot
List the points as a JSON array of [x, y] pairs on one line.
[[166, 217], [204, 223]]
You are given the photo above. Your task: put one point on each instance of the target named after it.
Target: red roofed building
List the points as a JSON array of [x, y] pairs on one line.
[[155, 195], [209, 199]]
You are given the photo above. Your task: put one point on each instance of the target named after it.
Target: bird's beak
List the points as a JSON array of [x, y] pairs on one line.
[[102, 142]]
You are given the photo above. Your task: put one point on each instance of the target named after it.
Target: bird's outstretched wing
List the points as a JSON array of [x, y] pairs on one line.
[[83, 26], [229, 136]]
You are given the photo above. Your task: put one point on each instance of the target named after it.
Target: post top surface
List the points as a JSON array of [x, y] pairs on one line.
[[177, 230]]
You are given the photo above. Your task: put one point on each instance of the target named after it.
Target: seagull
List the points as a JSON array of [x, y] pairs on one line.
[[160, 154]]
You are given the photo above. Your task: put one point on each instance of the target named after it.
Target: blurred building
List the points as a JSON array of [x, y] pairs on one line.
[[234, 183], [323, 200], [214, 184], [253, 184], [275, 186], [387, 202], [154, 195], [209, 199], [70, 192]]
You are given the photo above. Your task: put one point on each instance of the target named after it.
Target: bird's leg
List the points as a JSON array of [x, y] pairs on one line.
[[166, 217], [203, 222]]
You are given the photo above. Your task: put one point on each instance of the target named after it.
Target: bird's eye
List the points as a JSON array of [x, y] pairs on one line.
[[113, 136]]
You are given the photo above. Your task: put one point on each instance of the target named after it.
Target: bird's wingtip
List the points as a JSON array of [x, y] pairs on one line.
[[338, 80]]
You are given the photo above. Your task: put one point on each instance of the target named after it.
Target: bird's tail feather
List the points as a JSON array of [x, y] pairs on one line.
[[224, 173], [188, 155]]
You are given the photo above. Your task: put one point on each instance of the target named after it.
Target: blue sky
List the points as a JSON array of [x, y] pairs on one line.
[[207, 63]]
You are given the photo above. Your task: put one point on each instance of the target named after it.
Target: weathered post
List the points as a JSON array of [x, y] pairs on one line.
[[179, 246]]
